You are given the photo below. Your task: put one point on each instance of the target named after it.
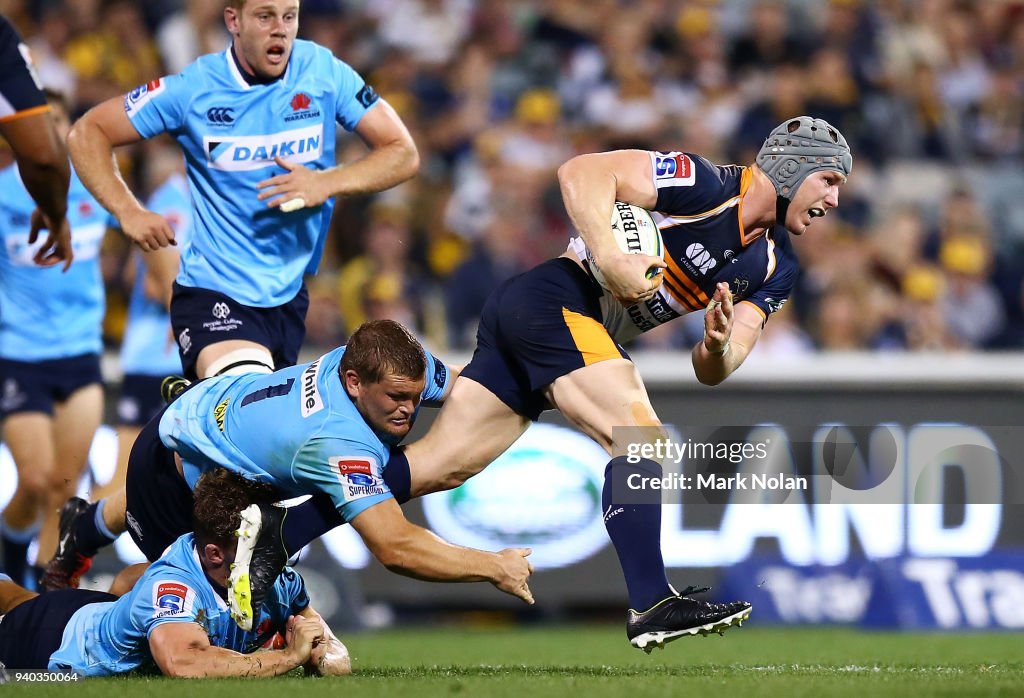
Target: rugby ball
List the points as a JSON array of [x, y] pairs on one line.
[[636, 232]]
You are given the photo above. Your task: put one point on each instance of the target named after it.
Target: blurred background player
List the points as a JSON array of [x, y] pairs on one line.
[[173, 619], [148, 352], [38, 147], [257, 124], [51, 389]]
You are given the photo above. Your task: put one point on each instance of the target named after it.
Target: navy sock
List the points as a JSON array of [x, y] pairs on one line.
[[308, 521], [397, 476], [635, 530], [15, 546], [90, 532]]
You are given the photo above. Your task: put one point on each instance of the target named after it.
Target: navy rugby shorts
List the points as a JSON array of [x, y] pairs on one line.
[[536, 327], [159, 500], [33, 631], [201, 317], [35, 386], [140, 399]]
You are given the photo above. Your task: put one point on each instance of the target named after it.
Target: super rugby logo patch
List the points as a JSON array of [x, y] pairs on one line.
[[172, 599], [673, 170], [358, 477], [141, 95]]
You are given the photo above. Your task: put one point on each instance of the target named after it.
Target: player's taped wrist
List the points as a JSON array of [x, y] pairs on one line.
[[721, 352]]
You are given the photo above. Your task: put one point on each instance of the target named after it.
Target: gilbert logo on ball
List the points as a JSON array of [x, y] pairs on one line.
[[636, 233]]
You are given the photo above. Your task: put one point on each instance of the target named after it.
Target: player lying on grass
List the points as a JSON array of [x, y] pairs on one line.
[[175, 618], [321, 429]]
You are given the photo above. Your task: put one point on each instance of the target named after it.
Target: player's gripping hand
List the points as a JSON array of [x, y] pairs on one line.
[[57, 247], [329, 658], [718, 319], [150, 231], [626, 276], [515, 570], [301, 636], [300, 187]]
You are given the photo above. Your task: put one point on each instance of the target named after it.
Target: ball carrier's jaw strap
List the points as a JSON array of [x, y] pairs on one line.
[[796, 149], [245, 360]]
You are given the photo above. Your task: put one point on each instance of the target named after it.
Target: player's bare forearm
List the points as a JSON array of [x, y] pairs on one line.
[[300, 186], [48, 187], [730, 334], [93, 156], [209, 662], [92, 142], [42, 162], [588, 187], [712, 369], [591, 183], [415, 552], [422, 555], [183, 650], [380, 169]]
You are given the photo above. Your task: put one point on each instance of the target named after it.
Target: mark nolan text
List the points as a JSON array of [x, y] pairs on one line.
[[750, 481]]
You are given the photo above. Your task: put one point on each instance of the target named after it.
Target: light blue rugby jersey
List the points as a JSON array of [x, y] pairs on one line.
[[103, 639], [230, 132], [46, 313], [296, 428], [146, 348]]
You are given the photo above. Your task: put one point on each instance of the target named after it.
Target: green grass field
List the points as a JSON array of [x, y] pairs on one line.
[[595, 661]]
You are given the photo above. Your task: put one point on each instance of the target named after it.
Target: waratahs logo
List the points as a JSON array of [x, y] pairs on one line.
[[302, 108], [242, 153], [543, 493]]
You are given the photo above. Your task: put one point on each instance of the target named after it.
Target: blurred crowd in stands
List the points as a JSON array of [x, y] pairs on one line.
[[926, 251]]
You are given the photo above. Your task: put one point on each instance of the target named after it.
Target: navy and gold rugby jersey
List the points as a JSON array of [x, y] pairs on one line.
[[700, 215], [20, 91]]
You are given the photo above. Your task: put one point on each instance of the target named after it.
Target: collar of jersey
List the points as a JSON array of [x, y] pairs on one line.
[[245, 79]]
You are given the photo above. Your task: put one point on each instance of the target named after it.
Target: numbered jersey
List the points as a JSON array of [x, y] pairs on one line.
[[231, 131], [103, 639], [296, 429], [45, 312], [700, 215]]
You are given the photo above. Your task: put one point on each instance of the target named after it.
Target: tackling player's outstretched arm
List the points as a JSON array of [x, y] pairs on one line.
[[408, 549], [392, 159], [183, 650], [730, 333], [590, 184], [91, 144]]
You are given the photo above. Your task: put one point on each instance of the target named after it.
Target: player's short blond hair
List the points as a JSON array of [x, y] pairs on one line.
[[237, 4]]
